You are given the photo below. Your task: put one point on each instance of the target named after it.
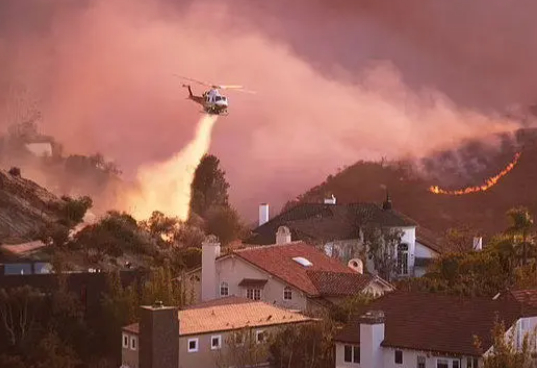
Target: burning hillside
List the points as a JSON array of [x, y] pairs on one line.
[[510, 166], [489, 183]]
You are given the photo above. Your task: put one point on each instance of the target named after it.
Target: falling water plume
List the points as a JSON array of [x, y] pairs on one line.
[[489, 183], [166, 187]]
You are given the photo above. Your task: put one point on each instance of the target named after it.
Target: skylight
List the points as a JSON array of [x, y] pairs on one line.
[[303, 261]]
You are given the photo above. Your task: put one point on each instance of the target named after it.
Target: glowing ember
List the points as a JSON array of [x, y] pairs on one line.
[[481, 188]]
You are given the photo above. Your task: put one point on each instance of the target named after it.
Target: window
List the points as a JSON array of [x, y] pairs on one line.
[[133, 343], [421, 362], [455, 364], [352, 354], [125, 341], [398, 357], [356, 354], [216, 342], [192, 345], [402, 259], [287, 293], [259, 336], [224, 289], [442, 363], [471, 362], [239, 338], [254, 294]]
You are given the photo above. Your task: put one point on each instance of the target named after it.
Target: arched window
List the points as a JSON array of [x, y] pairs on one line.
[[224, 289], [402, 259], [287, 293]]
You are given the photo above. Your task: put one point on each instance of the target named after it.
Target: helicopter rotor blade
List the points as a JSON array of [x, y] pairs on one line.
[[236, 88], [194, 80]]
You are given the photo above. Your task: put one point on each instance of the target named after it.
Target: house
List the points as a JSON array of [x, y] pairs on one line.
[[23, 259], [425, 330], [292, 275], [339, 229], [226, 332]]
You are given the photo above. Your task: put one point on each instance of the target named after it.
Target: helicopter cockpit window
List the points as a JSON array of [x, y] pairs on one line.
[[218, 98]]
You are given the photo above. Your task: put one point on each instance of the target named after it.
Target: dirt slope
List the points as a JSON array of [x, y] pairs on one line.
[[24, 207]]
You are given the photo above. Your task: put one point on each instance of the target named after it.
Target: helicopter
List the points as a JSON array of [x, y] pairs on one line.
[[212, 101]]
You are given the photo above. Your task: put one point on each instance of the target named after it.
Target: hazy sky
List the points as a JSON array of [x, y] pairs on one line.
[[336, 82]]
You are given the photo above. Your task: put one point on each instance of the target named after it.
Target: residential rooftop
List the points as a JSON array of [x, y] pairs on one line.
[[439, 323], [229, 313]]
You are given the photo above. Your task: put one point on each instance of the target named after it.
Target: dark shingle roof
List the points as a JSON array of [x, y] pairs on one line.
[[325, 277], [328, 221], [438, 323]]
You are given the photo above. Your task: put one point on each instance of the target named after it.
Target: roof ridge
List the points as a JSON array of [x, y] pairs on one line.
[[255, 247]]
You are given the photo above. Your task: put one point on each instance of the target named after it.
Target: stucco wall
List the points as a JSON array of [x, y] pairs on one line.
[[410, 359], [205, 356], [233, 270]]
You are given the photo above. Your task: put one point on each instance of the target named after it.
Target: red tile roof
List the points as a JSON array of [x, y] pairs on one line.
[[439, 323], [528, 296], [326, 276]]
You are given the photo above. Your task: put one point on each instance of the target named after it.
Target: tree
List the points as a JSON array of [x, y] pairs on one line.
[[161, 228], [307, 345], [209, 186], [19, 312], [242, 350], [521, 224], [344, 311], [162, 287], [224, 223], [119, 308], [381, 243], [55, 352], [504, 349], [460, 239]]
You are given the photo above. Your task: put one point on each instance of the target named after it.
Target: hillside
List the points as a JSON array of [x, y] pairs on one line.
[[24, 207], [471, 164]]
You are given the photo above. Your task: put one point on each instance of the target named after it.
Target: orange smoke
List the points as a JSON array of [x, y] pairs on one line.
[[481, 188], [166, 186]]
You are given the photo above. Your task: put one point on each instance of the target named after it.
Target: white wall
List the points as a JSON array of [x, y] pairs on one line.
[[233, 269], [423, 252], [410, 359]]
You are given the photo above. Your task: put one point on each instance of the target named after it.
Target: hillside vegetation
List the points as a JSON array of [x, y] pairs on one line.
[[408, 184]]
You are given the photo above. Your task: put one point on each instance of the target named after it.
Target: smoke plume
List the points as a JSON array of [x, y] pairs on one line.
[[167, 186], [103, 71]]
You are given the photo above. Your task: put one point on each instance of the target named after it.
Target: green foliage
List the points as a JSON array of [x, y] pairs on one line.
[[505, 353], [242, 350], [120, 308], [114, 234], [209, 186], [224, 223], [343, 312], [186, 258], [521, 225], [52, 351], [73, 211], [162, 287], [307, 345]]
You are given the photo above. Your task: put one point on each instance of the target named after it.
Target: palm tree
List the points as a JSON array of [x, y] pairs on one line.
[[520, 229]]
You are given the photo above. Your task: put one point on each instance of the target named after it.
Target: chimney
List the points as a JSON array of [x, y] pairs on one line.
[[357, 265], [263, 213], [210, 251], [478, 243], [283, 235], [159, 337], [371, 336], [331, 200], [387, 204]]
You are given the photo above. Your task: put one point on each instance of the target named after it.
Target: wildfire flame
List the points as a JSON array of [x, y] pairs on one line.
[[481, 188]]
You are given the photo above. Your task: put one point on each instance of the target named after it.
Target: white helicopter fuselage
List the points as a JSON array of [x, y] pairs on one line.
[[214, 100]]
